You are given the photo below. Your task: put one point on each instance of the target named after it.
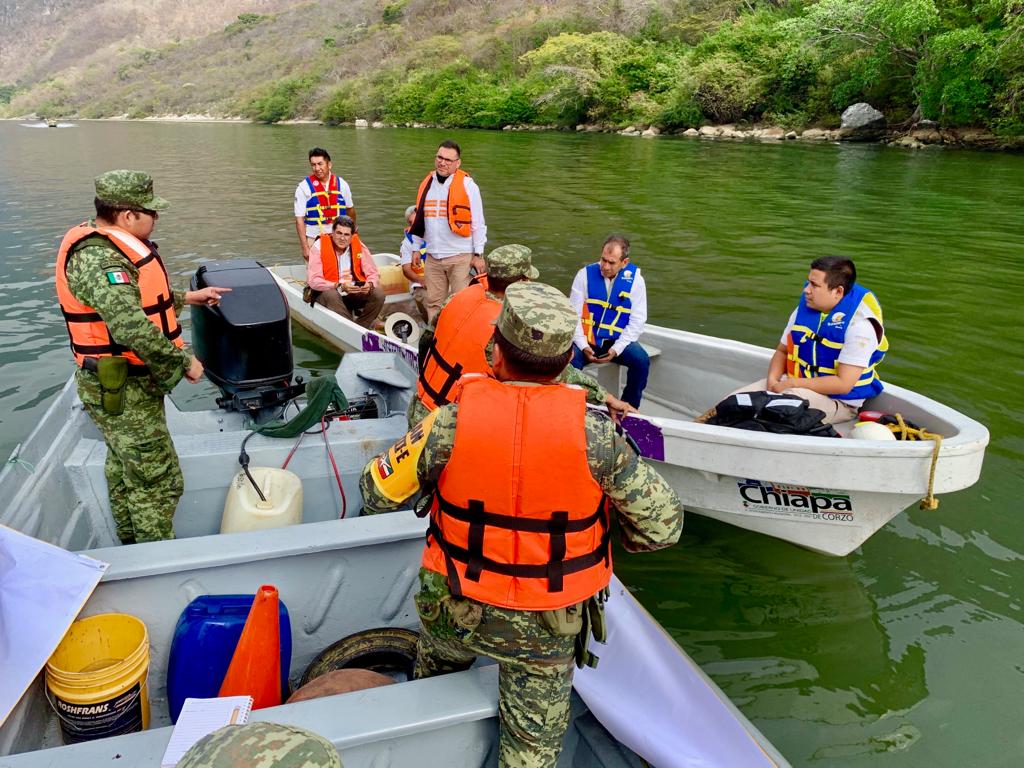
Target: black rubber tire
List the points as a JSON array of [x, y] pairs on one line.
[[388, 650]]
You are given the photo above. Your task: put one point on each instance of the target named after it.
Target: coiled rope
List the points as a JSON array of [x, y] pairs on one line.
[[904, 431]]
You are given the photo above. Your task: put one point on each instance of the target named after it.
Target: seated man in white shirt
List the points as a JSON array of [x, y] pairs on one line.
[[342, 275], [611, 299], [832, 344], [412, 252]]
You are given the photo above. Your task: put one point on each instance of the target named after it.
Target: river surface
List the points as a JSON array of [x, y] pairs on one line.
[[910, 651]]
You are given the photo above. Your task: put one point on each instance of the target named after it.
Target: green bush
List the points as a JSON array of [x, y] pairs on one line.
[[955, 77], [392, 12], [243, 22], [727, 90], [284, 101]]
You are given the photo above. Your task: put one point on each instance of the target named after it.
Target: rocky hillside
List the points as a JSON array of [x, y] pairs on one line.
[[673, 64]]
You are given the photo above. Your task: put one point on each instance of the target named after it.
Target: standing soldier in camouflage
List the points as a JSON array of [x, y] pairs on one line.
[[261, 745], [459, 340], [122, 318], [520, 479]]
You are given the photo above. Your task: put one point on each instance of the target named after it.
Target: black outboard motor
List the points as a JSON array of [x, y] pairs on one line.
[[245, 343]]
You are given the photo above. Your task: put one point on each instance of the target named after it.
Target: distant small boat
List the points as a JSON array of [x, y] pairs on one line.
[[51, 123], [825, 494]]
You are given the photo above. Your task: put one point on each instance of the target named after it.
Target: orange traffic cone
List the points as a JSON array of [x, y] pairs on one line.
[[255, 668]]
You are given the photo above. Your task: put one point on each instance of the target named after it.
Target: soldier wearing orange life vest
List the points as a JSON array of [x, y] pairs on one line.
[[459, 342], [515, 562], [342, 275], [122, 320], [450, 218]]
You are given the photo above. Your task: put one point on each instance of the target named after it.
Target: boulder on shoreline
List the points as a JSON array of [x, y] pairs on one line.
[[861, 122]]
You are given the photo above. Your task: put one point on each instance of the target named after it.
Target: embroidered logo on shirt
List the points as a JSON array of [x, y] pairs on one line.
[[118, 277]]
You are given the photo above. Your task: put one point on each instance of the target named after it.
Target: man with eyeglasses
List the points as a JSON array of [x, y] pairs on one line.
[[450, 217], [342, 275], [122, 319]]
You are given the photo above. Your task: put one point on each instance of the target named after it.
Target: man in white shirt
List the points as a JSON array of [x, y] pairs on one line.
[[832, 343], [611, 299], [450, 218], [320, 198]]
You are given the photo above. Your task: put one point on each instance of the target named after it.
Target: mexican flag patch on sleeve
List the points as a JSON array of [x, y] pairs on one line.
[[118, 277]]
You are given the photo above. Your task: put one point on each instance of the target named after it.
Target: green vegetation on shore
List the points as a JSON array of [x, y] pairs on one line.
[[672, 64]]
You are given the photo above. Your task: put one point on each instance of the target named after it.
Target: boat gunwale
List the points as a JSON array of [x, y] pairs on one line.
[[224, 549]]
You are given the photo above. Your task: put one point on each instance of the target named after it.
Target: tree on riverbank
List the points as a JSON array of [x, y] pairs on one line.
[[489, 63]]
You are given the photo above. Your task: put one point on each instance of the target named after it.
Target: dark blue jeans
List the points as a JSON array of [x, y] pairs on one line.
[[637, 363]]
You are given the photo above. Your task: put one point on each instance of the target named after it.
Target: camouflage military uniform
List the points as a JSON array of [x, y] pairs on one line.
[[261, 745], [536, 663], [505, 262], [142, 471]]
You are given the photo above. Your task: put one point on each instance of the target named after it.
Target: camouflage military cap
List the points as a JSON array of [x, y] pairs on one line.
[[537, 318], [132, 189], [261, 745], [509, 261]]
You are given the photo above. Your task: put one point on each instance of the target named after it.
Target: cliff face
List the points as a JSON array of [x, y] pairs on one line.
[[102, 58], [45, 39]]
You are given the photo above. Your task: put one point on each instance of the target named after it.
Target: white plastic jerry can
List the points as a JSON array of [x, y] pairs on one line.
[[245, 511]]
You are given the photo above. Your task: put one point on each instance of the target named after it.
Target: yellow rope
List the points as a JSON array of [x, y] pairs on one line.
[[904, 432]]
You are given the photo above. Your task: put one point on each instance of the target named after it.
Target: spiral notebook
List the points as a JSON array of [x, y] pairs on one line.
[[202, 716]]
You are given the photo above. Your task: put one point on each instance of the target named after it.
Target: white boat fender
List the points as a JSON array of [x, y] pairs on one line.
[[402, 327], [871, 430]]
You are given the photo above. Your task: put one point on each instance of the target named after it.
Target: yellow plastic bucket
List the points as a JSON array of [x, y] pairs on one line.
[[97, 678]]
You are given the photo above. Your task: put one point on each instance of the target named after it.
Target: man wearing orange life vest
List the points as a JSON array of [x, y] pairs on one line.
[[412, 253], [122, 319], [320, 198], [342, 275], [521, 481], [450, 217], [461, 339]]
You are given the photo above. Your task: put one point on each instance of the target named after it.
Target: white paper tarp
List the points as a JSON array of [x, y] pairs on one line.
[[654, 699], [42, 590]]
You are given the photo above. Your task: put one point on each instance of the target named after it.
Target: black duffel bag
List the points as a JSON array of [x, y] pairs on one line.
[[771, 412]]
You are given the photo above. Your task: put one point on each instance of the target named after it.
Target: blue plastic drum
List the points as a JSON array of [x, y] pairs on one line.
[[204, 642]]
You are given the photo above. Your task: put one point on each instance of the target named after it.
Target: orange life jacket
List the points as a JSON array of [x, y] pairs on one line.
[[460, 218], [329, 258], [89, 335], [479, 279], [501, 530], [458, 347]]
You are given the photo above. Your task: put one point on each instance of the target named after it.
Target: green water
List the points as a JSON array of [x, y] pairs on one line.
[[908, 652]]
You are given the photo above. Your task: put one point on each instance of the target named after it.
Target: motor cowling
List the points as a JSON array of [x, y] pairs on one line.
[[245, 342]]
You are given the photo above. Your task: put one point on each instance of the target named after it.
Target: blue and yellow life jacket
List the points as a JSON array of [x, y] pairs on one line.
[[816, 339], [606, 313], [324, 205]]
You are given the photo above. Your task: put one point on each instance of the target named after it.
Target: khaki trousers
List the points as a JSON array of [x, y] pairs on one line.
[[835, 411], [442, 278], [368, 306]]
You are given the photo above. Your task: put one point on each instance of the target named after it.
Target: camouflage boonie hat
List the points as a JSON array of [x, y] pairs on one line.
[[261, 745], [132, 189], [508, 261], [537, 318]]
